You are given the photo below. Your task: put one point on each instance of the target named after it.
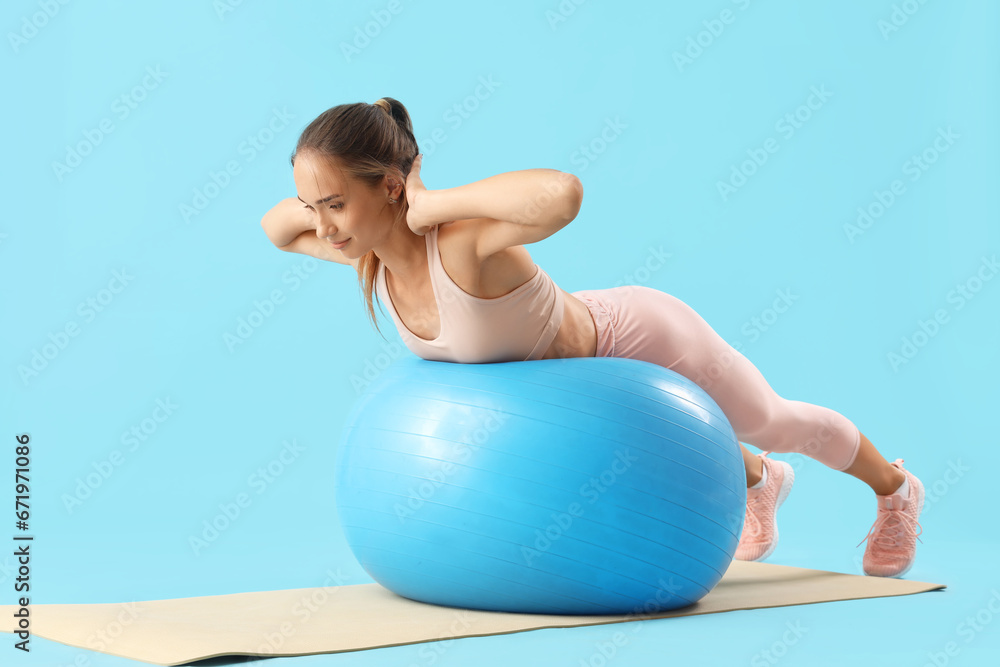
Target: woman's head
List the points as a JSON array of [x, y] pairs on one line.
[[362, 152]]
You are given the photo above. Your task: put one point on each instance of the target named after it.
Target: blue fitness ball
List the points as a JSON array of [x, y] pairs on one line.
[[591, 485]]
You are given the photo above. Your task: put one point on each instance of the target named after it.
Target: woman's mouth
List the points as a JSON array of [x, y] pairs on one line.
[[340, 245]]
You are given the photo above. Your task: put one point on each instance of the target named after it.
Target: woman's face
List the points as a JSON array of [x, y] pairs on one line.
[[351, 212]]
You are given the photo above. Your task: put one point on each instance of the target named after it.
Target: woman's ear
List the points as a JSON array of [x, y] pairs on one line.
[[395, 187]]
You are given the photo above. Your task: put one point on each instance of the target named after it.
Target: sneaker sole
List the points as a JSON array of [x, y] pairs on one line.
[[786, 486]]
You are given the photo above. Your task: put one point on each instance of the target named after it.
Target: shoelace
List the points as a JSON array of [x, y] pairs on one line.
[[903, 522]]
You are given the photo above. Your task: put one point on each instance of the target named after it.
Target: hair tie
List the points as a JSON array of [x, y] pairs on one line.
[[382, 104]]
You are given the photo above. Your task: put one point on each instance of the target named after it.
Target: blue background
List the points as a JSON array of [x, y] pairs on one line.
[[651, 186]]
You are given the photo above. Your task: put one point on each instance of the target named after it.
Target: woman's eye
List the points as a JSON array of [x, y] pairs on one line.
[[337, 207]]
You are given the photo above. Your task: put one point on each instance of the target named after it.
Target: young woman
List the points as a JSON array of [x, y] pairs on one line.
[[451, 267]]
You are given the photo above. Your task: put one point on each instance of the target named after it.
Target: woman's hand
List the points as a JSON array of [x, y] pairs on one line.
[[417, 216]]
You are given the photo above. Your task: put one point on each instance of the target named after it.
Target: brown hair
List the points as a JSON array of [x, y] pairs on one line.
[[365, 142]]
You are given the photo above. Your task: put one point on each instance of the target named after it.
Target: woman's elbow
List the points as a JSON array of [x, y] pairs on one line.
[[571, 195]]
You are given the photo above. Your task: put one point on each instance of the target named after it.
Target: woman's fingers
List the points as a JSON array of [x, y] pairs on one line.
[[413, 182], [415, 168]]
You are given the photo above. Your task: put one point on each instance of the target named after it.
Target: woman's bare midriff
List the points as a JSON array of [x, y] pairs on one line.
[[577, 336]]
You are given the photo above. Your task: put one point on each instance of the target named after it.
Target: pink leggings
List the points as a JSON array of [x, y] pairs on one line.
[[638, 322]]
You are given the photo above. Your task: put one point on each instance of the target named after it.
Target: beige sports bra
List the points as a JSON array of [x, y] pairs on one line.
[[518, 326]]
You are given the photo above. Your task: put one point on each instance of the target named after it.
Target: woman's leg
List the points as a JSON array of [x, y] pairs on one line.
[[868, 466], [659, 328], [871, 468], [753, 465], [643, 323]]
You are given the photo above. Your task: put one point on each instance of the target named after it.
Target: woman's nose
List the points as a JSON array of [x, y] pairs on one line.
[[324, 228]]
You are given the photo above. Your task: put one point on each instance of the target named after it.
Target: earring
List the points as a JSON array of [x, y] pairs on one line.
[[392, 201]]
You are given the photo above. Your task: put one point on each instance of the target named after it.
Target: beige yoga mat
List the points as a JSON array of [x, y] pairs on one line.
[[349, 618]]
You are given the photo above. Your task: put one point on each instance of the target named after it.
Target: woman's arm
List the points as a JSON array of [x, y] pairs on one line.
[[286, 221], [511, 209], [289, 226], [535, 197]]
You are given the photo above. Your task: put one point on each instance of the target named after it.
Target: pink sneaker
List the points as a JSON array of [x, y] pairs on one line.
[[893, 544], [760, 528]]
